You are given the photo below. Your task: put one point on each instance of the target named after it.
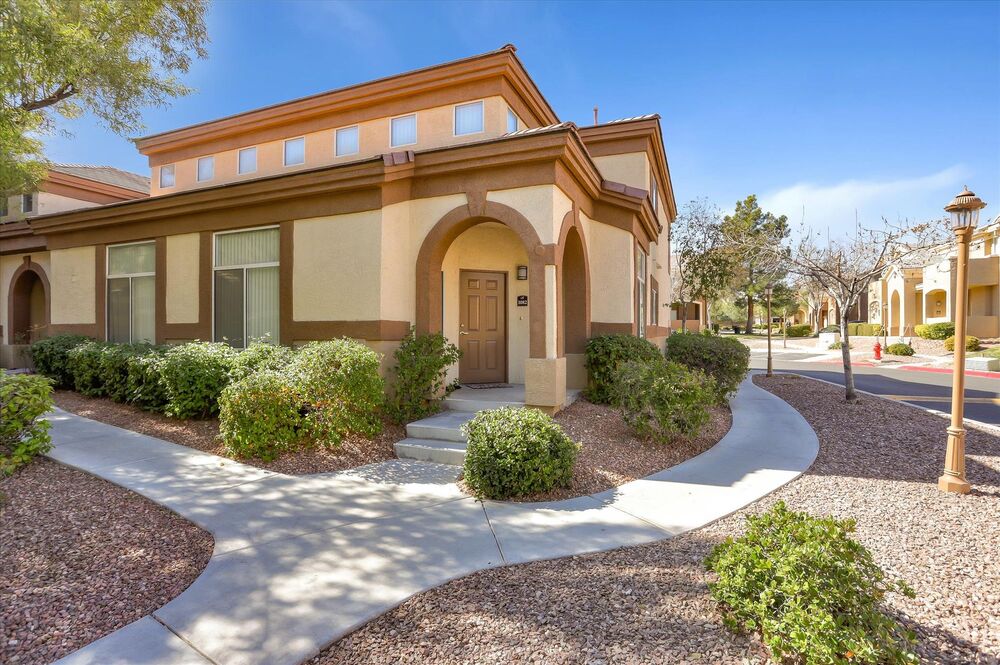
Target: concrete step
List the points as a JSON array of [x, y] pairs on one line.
[[431, 450], [444, 426], [467, 405]]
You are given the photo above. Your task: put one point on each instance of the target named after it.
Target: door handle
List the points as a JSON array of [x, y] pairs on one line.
[[462, 332]]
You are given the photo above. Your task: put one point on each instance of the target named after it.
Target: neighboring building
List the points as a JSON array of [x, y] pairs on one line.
[[907, 296], [451, 198], [65, 187], [693, 317]]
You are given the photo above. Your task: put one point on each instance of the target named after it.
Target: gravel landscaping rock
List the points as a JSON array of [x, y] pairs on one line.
[[81, 558], [203, 435], [878, 463]]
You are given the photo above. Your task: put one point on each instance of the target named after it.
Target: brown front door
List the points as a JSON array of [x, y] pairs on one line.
[[483, 327]]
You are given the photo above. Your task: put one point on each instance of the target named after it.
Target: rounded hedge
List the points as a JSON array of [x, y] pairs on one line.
[[513, 452], [261, 415], [605, 354], [144, 379], [899, 349], [725, 359], [83, 362], [935, 330], [665, 400], [51, 356], [971, 343], [24, 431], [258, 357], [340, 383], [194, 376], [799, 330]]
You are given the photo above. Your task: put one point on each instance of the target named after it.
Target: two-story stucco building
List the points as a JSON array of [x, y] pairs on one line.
[[451, 198]]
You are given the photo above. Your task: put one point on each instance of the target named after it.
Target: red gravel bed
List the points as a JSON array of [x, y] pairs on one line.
[[878, 463], [82, 558], [204, 435]]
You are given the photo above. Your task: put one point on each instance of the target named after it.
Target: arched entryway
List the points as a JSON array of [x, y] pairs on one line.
[[574, 300], [894, 314], [28, 308], [936, 304]]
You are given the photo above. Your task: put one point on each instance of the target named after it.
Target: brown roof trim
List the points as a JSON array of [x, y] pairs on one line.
[[502, 62], [86, 189], [612, 137]]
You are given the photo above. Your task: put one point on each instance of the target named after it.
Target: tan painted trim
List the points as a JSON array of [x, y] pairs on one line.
[[13, 296], [440, 238], [479, 76]]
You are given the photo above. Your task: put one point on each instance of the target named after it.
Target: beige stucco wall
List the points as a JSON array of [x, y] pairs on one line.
[[74, 288], [49, 203], [611, 272], [336, 275], [182, 281], [544, 206], [435, 128], [631, 168], [8, 264], [489, 247]]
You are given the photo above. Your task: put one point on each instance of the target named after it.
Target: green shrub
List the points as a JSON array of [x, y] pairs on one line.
[[865, 329], [810, 590], [258, 357], [664, 401], [261, 415], [800, 330], [513, 452], [971, 343], [830, 329], [605, 353], [899, 349], [935, 330], [837, 346], [50, 357], [421, 364], [144, 379], [992, 352], [24, 399], [723, 358], [84, 365], [113, 366], [340, 383], [194, 375]]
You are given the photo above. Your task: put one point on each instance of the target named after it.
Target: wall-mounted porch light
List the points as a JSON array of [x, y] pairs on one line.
[[522, 272]]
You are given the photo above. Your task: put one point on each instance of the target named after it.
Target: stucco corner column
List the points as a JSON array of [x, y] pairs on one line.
[[545, 378]]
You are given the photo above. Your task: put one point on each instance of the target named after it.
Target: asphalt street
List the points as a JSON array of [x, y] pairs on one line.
[[930, 390]]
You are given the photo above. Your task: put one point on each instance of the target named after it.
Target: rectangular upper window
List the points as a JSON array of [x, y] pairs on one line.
[[131, 299], [295, 151], [3, 205], [347, 141], [469, 118], [206, 168], [246, 300], [27, 203], [511, 122], [248, 160], [654, 194], [403, 130], [167, 175]]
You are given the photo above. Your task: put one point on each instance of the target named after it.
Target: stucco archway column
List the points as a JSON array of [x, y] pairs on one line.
[[545, 377]]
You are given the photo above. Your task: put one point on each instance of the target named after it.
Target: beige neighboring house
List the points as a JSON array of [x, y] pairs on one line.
[[450, 198], [907, 296]]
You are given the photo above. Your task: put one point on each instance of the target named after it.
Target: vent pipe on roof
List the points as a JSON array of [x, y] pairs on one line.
[[595, 115]]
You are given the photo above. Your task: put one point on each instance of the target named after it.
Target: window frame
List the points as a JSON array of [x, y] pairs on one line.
[[173, 175], [654, 301], [641, 279], [244, 267], [32, 207], [415, 130], [4, 205], [197, 175], [654, 193], [482, 118], [517, 121], [284, 151], [130, 276], [336, 140], [239, 154]]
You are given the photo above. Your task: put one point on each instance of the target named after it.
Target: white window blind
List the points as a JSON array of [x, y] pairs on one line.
[[131, 302], [404, 130], [347, 141], [246, 248], [206, 168], [167, 176], [125, 260], [248, 160], [469, 118], [247, 306], [295, 151]]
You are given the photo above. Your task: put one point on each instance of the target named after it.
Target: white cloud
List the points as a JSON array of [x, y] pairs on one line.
[[833, 206]]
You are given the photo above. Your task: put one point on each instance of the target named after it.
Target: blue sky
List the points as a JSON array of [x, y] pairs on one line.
[[883, 108]]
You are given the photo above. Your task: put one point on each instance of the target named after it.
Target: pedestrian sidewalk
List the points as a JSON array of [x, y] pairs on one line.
[[301, 561]]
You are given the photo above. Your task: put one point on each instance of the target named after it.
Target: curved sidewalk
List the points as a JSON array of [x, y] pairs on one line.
[[301, 561]]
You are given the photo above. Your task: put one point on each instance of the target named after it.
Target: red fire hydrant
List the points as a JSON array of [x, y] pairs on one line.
[[878, 351]]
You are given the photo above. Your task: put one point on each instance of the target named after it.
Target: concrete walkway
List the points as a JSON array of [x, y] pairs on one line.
[[301, 561]]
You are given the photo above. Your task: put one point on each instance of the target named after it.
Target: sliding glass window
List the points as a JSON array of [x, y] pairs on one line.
[[132, 292], [246, 287]]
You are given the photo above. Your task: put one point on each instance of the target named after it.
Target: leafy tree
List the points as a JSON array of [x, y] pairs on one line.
[[749, 232], [63, 58], [702, 268]]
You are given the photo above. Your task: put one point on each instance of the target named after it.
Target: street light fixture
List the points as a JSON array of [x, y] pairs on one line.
[[964, 210], [768, 290]]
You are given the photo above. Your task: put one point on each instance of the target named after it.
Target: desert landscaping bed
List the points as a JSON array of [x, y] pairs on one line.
[[878, 463], [82, 558], [612, 455], [204, 435]]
